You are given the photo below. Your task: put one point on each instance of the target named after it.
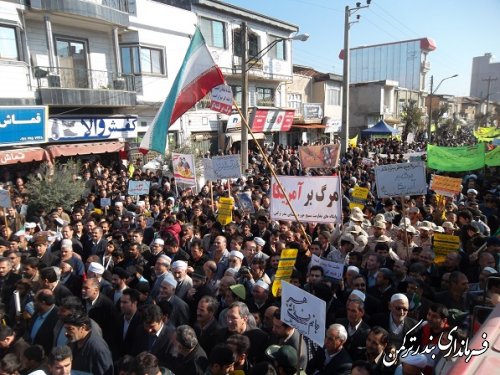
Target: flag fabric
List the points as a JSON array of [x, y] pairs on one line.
[[197, 75], [456, 159], [487, 134], [353, 142], [492, 158]]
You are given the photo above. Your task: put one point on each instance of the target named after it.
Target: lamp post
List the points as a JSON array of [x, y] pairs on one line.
[[344, 139], [431, 94], [246, 64]]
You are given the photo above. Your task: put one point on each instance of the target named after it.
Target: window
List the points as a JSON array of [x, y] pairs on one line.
[[295, 101], [214, 32], [253, 44], [236, 93], [333, 96], [72, 60], [8, 43], [139, 59], [279, 50], [265, 96]]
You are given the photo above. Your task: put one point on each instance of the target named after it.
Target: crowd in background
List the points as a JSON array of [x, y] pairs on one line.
[[155, 284]]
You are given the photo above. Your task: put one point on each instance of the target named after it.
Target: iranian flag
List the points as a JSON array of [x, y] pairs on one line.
[[197, 75]]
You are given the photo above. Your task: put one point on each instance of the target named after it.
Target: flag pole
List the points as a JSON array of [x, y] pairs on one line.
[[244, 121], [405, 227]]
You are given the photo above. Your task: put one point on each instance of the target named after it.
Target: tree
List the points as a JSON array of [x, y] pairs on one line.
[[411, 117], [55, 185]]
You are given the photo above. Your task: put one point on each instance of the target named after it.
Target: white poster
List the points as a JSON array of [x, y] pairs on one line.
[[208, 169], [331, 269], [222, 99], [400, 179], [184, 168], [316, 199], [5, 198], [138, 187], [227, 166], [304, 312]]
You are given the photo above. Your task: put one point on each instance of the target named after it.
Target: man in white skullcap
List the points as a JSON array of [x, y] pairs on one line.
[[95, 270], [396, 321], [180, 309], [236, 259], [184, 282]]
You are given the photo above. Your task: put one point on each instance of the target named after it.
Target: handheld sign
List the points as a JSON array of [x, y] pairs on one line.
[[304, 312], [400, 179], [138, 187], [5, 198]]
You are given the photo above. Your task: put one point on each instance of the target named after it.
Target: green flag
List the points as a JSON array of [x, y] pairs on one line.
[[455, 159], [492, 158]]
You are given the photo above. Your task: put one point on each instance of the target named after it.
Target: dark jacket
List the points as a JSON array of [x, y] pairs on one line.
[[92, 355], [195, 363], [355, 343], [207, 337], [45, 334], [340, 364], [382, 320]]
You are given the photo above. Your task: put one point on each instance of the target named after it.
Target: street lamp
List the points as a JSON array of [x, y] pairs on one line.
[[246, 65], [344, 139], [431, 93]]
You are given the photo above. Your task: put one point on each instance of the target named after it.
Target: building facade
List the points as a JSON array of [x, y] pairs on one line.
[[99, 70], [485, 78]]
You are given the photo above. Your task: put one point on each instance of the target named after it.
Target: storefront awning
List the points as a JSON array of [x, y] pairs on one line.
[[309, 126], [84, 148], [23, 155], [236, 137]]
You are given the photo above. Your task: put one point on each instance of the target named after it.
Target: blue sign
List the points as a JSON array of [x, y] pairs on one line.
[[21, 125], [70, 129]]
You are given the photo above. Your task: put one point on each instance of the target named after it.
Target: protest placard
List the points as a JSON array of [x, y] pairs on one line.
[[331, 269], [304, 312], [225, 213], [105, 202], [5, 198], [227, 166], [208, 169], [445, 185], [285, 268], [138, 187], [316, 199], [222, 99], [245, 202], [323, 156], [359, 197], [443, 245], [184, 168], [400, 179]]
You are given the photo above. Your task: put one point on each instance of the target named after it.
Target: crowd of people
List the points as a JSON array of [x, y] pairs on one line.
[[157, 285]]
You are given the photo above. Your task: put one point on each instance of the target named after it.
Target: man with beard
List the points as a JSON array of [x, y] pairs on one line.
[[90, 352]]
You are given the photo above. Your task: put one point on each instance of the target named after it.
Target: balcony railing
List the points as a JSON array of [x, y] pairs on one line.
[[79, 78], [121, 5]]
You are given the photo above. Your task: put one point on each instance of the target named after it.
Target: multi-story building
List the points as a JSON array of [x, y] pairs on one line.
[[220, 24], [393, 73], [485, 78], [316, 98], [98, 70]]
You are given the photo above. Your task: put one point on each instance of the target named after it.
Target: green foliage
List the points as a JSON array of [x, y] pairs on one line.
[[412, 118], [55, 185]]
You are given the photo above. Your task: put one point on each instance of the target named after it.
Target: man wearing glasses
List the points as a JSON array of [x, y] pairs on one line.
[[396, 322]]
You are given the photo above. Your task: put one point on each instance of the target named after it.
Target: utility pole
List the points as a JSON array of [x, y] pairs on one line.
[[344, 137], [430, 111], [244, 98], [489, 79]]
